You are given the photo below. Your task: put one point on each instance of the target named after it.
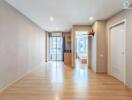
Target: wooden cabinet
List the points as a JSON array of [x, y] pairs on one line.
[[67, 59], [67, 49]]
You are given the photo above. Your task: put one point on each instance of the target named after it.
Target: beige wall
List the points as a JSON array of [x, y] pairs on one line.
[[21, 45], [101, 47], [98, 58], [115, 19], [46, 46], [74, 29]]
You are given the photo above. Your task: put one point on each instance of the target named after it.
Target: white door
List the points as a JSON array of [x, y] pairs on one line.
[[118, 52]]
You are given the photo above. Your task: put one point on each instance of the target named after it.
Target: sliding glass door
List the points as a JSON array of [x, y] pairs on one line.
[[56, 48]]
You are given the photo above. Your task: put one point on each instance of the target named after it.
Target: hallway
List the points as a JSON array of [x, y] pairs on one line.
[[55, 81]]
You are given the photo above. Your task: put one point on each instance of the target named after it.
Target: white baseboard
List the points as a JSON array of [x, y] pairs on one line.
[[25, 74]]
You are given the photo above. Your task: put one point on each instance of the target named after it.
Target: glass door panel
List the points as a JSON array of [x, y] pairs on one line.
[[56, 50], [59, 48]]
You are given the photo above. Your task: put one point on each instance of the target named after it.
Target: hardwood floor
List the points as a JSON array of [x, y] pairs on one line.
[[54, 81]]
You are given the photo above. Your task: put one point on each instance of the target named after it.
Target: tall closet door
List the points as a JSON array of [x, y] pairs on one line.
[[118, 51]]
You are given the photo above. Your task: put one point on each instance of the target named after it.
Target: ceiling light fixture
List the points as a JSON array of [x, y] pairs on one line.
[[91, 18], [51, 18]]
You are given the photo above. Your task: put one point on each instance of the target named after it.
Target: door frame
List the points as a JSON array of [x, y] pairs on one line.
[[87, 46], [109, 48]]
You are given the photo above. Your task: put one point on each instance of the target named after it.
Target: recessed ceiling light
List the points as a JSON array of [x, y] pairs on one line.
[[91, 18], [51, 18]]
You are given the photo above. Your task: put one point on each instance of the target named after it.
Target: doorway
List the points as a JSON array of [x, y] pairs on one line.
[[81, 47], [56, 48], [117, 50]]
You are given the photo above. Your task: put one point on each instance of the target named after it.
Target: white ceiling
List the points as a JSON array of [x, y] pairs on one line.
[[66, 12]]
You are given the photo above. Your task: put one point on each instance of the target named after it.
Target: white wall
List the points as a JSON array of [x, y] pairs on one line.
[[127, 14], [21, 45]]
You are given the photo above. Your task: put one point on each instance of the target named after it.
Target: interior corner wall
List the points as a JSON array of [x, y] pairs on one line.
[[124, 15], [93, 53], [94, 48], [46, 46], [22, 46], [89, 52], [74, 29], [99, 54]]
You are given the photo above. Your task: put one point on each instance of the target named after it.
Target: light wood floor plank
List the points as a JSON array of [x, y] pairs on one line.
[[55, 81]]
